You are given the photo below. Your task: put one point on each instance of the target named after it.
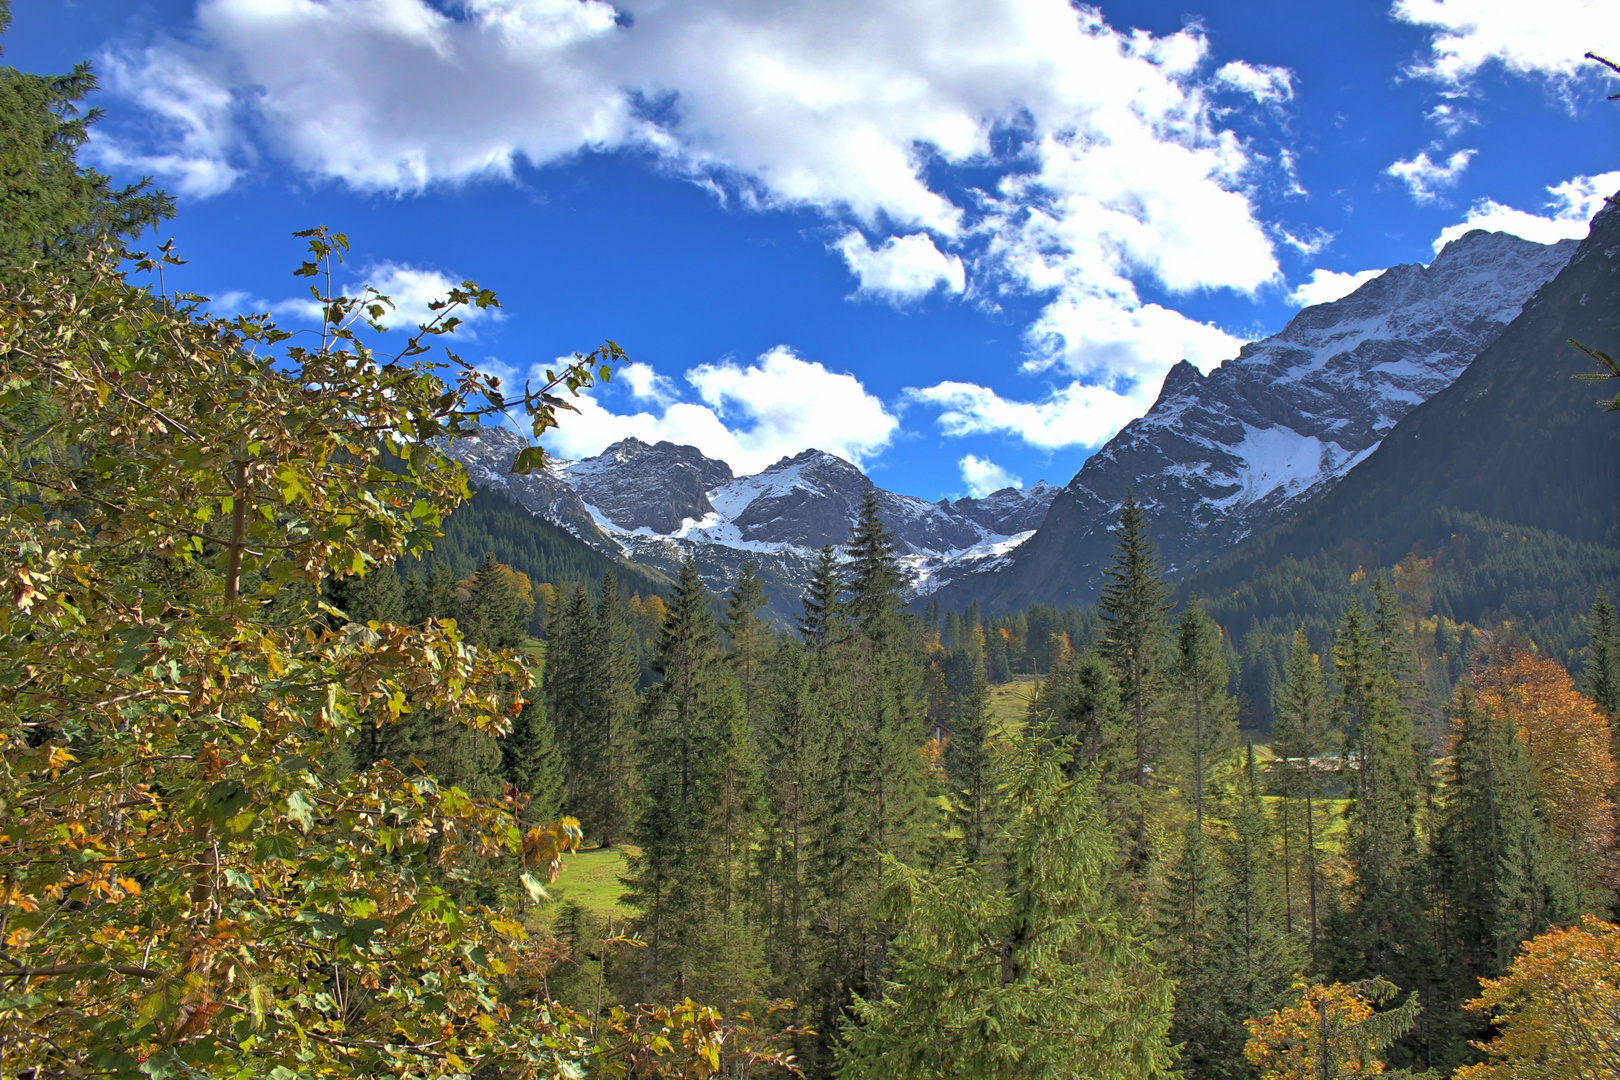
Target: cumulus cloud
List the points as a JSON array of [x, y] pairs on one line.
[[1264, 83], [410, 288], [191, 116], [1425, 178], [1548, 38], [901, 268], [984, 477], [747, 415], [1121, 172], [1325, 286], [1571, 208], [1077, 415]]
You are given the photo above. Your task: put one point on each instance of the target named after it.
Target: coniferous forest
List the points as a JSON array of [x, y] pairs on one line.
[[318, 763]]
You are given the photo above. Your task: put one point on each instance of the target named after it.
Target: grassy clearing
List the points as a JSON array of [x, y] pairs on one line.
[[1009, 704], [591, 880]]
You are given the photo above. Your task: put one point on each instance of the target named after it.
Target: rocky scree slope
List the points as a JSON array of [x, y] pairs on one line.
[[1229, 455]]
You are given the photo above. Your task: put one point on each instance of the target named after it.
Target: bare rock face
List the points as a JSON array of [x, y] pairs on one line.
[[636, 486], [1225, 456]]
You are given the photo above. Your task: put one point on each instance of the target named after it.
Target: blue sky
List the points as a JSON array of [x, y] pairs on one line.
[[957, 241]]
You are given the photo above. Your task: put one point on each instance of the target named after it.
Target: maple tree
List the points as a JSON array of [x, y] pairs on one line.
[[186, 888], [1557, 1010]]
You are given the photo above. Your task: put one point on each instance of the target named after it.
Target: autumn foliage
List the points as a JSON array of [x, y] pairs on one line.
[[1569, 741], [1557, 1009], [1330, 1032]]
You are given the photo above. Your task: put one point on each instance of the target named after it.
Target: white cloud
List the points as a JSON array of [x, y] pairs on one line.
[[1123, 171], [1450, 119], [646, 384], [747, 415], [1572, 207], [1264, 83], [1077, 415], [985, 477], [411, 289], [1326, 286], [192, 118], [1547, 38], [1424, 178], [901, 268]]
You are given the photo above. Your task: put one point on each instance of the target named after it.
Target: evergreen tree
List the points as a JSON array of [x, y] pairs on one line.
[[1200, 676], [1384, 932], [821, 599], [376, 596], [51, 209], [695, 826], [1041, 974], [491, 616], [968, 762], [1492, 860], [797, 804], [1255, 958], [1302, 740], [568, 642], [1601, 660], [1134, 609], [1183, 938], [873, 576], [608, 702], [532, 762], [747, 634], [886, 723]]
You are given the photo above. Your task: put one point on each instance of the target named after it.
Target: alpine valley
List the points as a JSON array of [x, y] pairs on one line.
[[1219, 457]]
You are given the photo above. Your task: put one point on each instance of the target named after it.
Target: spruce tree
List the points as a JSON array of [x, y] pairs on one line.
[[608, 703], [696, 822], [1254, 957], [375, 597], [886, 725], [1303, 739], [1200, 676], [968, 760], [821, 599], [51, 209], [1039, 974], [568, 641], [1134, 607], [491, 616], [872, 574], [747, 634], [1384, 932], [532, 763], [1494, 880], [1600, 675], [1183, 939]]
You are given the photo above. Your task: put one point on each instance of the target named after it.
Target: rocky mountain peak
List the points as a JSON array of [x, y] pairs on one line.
[[1224, 455]]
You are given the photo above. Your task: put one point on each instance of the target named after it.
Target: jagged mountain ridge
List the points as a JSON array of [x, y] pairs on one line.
[[1229, 455], [663, 503]]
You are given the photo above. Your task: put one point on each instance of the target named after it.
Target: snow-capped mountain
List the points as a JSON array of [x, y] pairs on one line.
[[662, 504], [1224, 456]]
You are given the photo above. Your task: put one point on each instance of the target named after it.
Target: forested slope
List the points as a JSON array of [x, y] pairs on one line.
[[490, 522], [1501, 494]]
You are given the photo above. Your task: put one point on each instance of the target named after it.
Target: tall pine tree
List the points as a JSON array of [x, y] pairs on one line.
[[1600, 673], [1134, 607], [1039, 974], [695, 827], [1303, 740]]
